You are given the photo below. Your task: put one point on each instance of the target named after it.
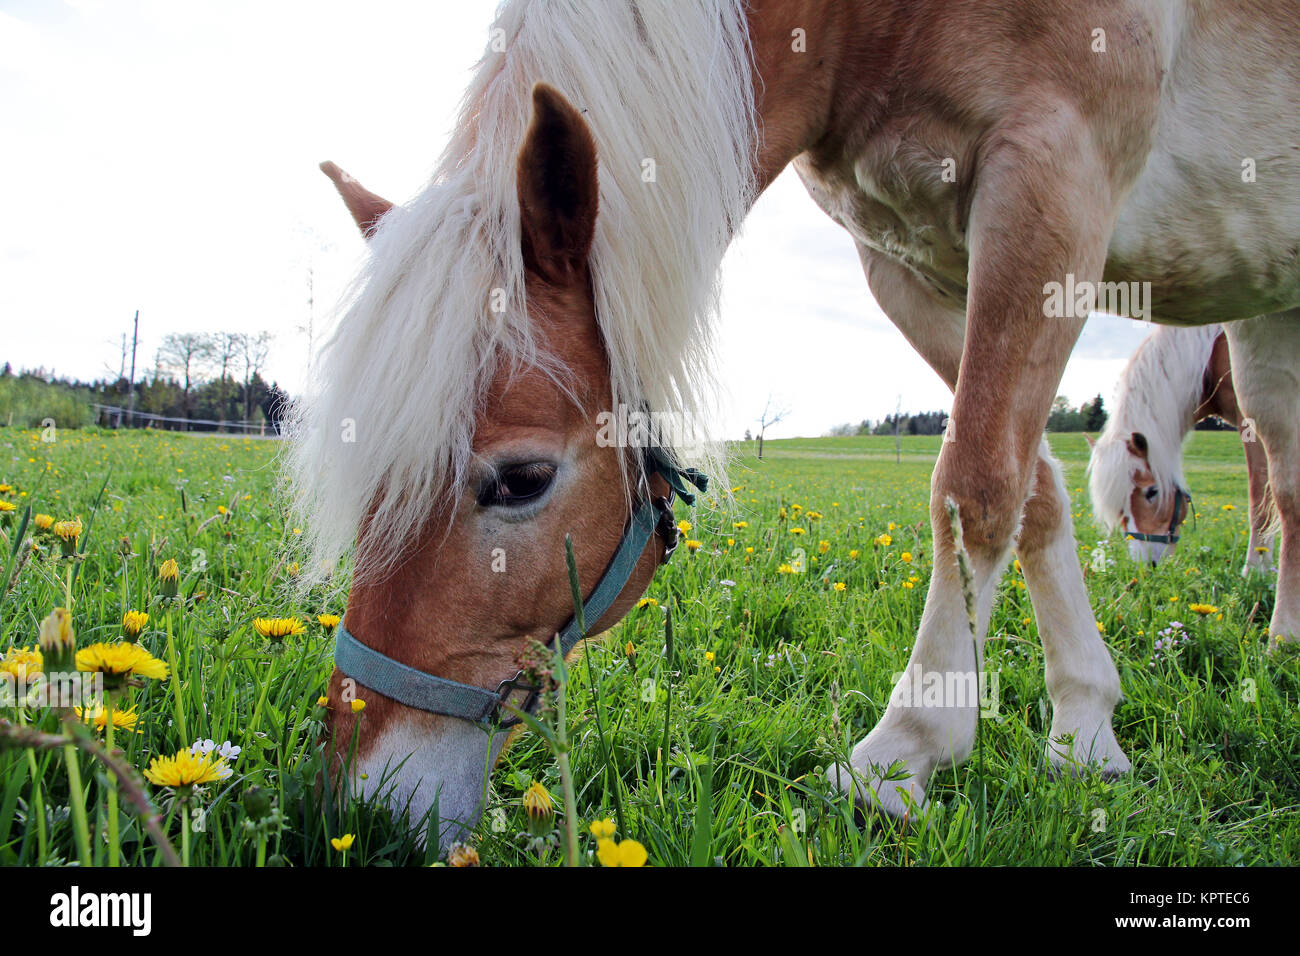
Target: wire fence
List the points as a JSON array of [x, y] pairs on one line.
[[115, 416]]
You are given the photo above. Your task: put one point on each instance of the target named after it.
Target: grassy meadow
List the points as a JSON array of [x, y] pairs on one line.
[[790, 614]]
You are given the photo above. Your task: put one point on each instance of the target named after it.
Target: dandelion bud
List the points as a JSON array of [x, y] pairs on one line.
[[133, 622], [257, 803], [169, 576], [58, 643], [540, 808], [68, 533]]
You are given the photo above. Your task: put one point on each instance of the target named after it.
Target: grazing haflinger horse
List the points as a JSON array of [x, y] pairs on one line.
[[1136, 469], [1001, 166]]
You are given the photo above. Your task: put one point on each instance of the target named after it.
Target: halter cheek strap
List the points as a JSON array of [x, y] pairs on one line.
[[438, 695], [1172, 536]]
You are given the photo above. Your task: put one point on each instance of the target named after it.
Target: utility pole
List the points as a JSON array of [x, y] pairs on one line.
[[121, 374], [135, 338]]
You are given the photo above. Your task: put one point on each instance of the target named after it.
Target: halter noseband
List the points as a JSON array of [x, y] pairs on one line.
[[1171, 536], [438, 695]]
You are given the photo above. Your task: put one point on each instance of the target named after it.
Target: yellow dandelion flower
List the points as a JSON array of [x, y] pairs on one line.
[[120, 660], [603, 829], [322, 701], [624, 853], [1101, 628], [629, 649], [1229, 507], [187, 770], [462, 854], [854, 554], [823, 547], [221, 510], [125, 720], [708, 656], [906, 557], [785, 569], [693, 545], [684, 526], [749, 550], [43, 522], [328, 620], [7, 506], [840, 586], [20, 662], [647, 602], [740, 525], [884, 540], [797, 531], [1203, 608], [278, 628]]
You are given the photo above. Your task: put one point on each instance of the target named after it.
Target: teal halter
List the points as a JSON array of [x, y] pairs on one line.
[[1180, 514], [438, 695]]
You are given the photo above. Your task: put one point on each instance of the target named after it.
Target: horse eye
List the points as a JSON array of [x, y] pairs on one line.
[[1152, 492], [516, 484]]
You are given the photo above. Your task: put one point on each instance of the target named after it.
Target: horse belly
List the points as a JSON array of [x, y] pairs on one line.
[[1213, 220]]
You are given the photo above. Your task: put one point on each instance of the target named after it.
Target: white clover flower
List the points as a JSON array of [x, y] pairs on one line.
[[228, 751]]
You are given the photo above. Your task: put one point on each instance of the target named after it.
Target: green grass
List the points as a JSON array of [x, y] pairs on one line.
[[799, 673]]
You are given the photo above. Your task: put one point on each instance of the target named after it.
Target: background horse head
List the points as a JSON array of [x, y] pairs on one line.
[[1136, 470], [1136, 476], [542, 285]]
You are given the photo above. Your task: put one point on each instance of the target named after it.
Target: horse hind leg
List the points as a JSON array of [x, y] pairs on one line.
[[1263, 541], [1081, 677], [1266, 370]]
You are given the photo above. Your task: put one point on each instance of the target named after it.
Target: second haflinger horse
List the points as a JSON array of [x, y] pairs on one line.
[[563, 263], [1136, 468]]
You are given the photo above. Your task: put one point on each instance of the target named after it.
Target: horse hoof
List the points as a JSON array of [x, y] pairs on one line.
[[873, 795], [1105, 757]]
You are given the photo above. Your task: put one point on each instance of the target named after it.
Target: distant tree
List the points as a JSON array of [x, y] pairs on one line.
[[1094, 415], [187, 354], [253, 349], [770, 417]]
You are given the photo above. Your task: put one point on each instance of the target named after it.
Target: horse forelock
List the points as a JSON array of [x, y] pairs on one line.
[[1157, 395], [387, 423]]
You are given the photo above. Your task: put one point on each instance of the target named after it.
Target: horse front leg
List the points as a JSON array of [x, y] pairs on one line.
[[1081, 677], [1041, 215]]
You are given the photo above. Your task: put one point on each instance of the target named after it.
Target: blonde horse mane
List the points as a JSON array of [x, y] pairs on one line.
[[388, 421], [1157, 395]]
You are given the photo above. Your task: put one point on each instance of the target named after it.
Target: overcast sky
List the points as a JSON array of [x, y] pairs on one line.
[[161, 155]]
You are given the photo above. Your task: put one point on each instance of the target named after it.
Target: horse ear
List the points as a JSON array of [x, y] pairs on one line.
[[558, 188], [366, 208], [1137, 444]]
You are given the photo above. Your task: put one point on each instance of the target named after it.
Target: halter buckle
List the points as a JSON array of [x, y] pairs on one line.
[[532, 694], [666, 527]]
